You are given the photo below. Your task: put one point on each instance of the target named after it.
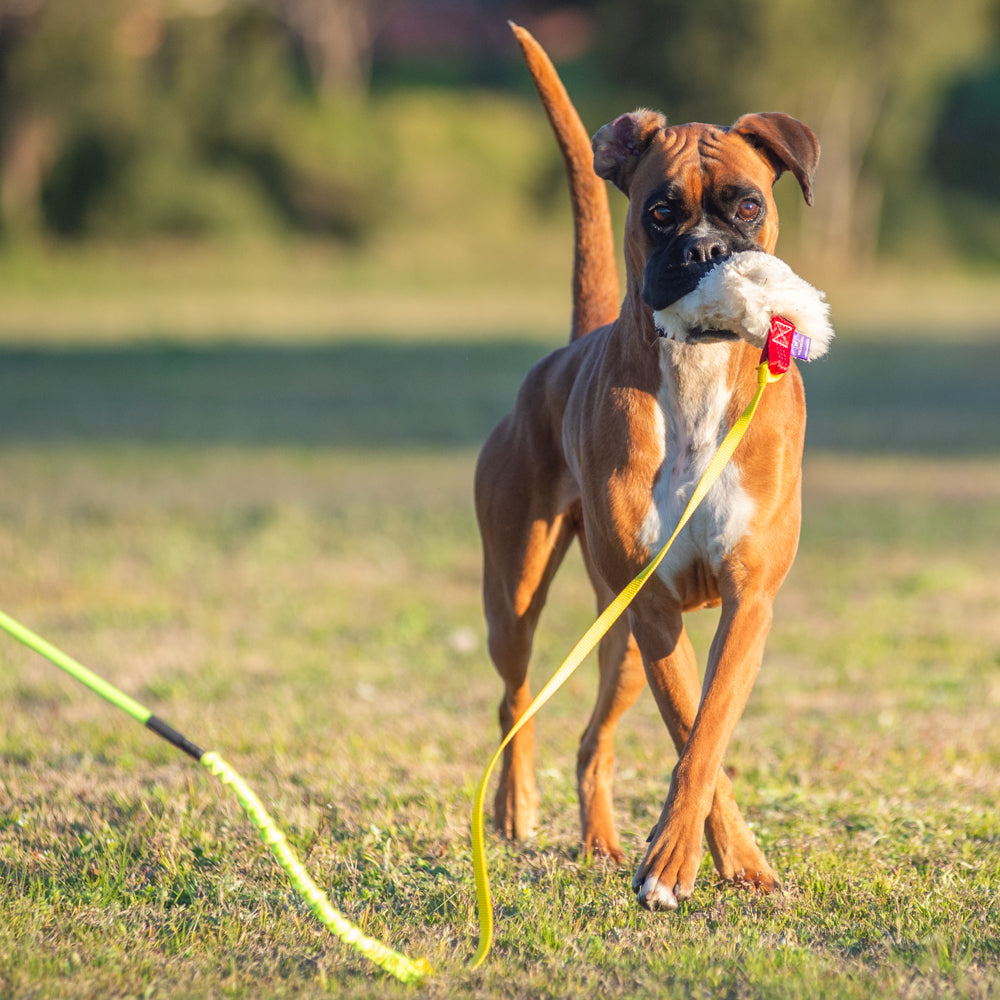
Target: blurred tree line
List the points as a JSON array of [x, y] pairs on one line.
[[184, 117], [122, 118]]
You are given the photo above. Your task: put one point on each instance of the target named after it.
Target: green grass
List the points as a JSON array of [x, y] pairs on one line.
[[271, 544], [314, 617]]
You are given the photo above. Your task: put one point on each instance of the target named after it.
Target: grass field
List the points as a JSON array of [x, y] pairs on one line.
[[270, 543]]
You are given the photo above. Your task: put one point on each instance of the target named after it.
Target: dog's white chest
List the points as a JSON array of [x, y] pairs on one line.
[[691, 417]]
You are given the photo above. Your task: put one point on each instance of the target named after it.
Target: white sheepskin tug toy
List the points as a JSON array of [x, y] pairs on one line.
[[749, 294]]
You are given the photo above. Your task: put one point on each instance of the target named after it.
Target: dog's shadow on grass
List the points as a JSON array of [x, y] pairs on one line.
[[866, 396]]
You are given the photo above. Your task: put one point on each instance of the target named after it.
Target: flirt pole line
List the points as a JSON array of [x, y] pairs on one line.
[[405, 969]]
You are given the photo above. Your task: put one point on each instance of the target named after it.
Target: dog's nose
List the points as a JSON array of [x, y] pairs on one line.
[[703, 249]]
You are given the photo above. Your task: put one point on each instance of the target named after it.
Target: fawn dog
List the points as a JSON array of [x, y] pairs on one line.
[[605, 443]]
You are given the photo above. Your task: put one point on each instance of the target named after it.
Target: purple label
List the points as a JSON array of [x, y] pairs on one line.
[[800, 346]]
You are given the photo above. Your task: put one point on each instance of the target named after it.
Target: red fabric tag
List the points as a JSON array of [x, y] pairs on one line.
[[778, 351]]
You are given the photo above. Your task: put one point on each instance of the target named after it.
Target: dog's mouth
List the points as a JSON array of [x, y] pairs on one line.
[[710, 336], [695, 335]]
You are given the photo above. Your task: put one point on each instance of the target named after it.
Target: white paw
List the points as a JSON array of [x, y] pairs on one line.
[[655, 896]]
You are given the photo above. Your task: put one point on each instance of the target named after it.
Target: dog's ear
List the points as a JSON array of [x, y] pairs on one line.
[[619, 145], [789, 144]]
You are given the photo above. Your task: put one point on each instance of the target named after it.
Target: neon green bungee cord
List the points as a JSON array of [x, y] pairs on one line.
[[405, 969]]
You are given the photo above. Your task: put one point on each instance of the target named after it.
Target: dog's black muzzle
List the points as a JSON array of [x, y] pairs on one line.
[[674, 270]]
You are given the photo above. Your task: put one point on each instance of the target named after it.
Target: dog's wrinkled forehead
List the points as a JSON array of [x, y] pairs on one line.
[[690, 158], [693, 141], [760, 145]]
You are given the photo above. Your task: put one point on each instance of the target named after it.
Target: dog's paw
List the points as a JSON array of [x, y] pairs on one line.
[[738, 860], [758, 879], [654, 895], [666, 876], [604, 844], [597, 824], [515, 809]]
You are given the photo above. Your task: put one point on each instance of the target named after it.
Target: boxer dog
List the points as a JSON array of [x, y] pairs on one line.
[[605, 443]]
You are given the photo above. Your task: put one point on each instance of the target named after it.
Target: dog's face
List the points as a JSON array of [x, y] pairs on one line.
[[699, 193]]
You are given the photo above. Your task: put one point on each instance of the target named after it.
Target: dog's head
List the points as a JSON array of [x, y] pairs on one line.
[[699, 193]]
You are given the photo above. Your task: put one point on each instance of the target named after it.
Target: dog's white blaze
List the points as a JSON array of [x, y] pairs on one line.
[[690, 424]]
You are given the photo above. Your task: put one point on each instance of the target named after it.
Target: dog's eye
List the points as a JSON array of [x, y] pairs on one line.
[[748, 210], [662, 214]]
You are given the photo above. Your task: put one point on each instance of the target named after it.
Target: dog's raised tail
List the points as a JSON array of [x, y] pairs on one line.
[[595, 269]]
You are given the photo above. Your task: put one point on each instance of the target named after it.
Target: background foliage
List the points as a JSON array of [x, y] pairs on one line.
[[131, 118]]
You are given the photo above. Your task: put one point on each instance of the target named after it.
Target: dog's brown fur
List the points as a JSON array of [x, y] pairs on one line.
[[597, 428]]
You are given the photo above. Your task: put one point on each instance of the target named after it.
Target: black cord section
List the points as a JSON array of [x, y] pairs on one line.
[[172, 736]]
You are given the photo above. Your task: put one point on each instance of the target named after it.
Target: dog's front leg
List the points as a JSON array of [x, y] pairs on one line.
[[697, 789]]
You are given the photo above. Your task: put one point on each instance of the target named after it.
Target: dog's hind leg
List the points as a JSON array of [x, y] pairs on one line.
[[622, 679], [525, 537]]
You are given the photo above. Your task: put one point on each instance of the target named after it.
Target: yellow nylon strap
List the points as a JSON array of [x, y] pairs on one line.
[[592, 637]]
